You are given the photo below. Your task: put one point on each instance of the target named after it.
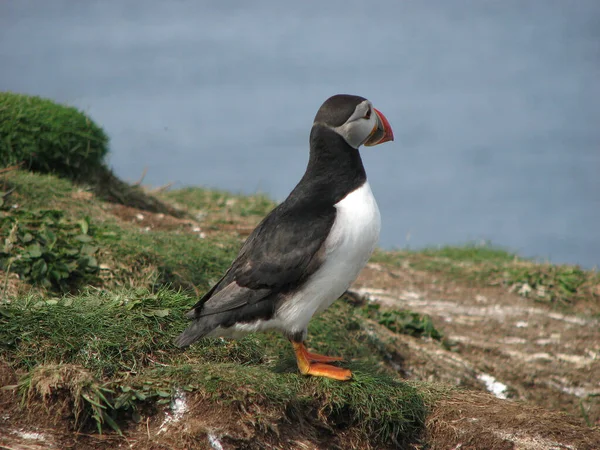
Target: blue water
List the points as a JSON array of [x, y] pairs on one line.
[[495, 104]]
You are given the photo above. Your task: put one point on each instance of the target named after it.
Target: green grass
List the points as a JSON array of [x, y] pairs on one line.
[[184, 260], [559, 285], [107, 332], [119, 342], [104, 355], [48, 137], [377, 407], [37, 191], [208, 200], [472, 253], [178, 258]]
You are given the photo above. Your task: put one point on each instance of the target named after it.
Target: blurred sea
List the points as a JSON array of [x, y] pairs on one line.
[[495, 104]]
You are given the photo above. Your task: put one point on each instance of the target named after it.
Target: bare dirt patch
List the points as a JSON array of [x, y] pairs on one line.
[[201, 226], [495, 341], [469, 420]]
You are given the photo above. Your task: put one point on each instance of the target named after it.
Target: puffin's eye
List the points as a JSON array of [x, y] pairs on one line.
[[368, 114]]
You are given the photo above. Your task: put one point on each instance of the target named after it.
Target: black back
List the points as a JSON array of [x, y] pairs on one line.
[[287, 246]]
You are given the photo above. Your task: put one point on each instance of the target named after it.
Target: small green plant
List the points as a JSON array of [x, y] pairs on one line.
[[48, 137], [46, 249], [74, 389], [405, 322], [555, 284]]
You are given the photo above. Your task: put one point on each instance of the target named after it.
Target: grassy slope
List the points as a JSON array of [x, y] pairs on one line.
[[107, 349], [115, 340]]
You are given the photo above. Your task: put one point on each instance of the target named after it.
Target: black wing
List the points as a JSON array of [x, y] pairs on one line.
[[283, 250]]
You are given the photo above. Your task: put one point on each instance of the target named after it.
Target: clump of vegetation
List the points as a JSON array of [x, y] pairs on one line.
[[404, 322], [70, 390], [48, 137], [550, 283], [45, 248]]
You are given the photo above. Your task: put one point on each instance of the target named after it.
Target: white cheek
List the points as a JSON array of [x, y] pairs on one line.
[[356, 132]]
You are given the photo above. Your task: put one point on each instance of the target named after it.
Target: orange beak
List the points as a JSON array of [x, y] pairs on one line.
[[382, 131]]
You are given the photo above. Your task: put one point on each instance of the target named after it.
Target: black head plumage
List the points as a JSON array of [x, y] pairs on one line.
[[337, 109]]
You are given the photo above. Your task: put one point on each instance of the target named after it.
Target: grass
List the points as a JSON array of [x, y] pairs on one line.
[[38, 191], [99, 345], [214, 201], [108, 332], [48, 137], [180, 259], [103, 354], [559, 285], [126, 255]]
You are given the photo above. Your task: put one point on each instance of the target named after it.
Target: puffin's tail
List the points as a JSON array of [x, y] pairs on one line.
[[199, 328]]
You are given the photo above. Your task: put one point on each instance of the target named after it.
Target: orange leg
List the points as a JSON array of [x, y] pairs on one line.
[[315, 357], [312, 364]]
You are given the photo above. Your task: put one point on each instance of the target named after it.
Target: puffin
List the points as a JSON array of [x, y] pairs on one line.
[[308, 250]]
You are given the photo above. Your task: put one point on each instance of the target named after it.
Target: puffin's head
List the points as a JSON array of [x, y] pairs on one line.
[[355, 119]]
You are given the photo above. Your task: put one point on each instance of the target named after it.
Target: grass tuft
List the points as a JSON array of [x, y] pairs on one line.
[[402, 321], [48, 137], [69, 390]]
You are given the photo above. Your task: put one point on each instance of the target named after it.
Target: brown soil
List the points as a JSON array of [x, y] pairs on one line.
[[150, 221], [470, 420], [547, 357]]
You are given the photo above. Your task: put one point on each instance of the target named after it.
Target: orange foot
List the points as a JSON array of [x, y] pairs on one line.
[[312, 364]]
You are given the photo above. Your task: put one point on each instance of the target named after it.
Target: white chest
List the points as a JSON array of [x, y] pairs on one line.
[[355, 231], [351, 241]]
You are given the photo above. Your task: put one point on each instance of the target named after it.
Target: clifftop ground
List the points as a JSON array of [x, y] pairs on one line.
[[453, 348]]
